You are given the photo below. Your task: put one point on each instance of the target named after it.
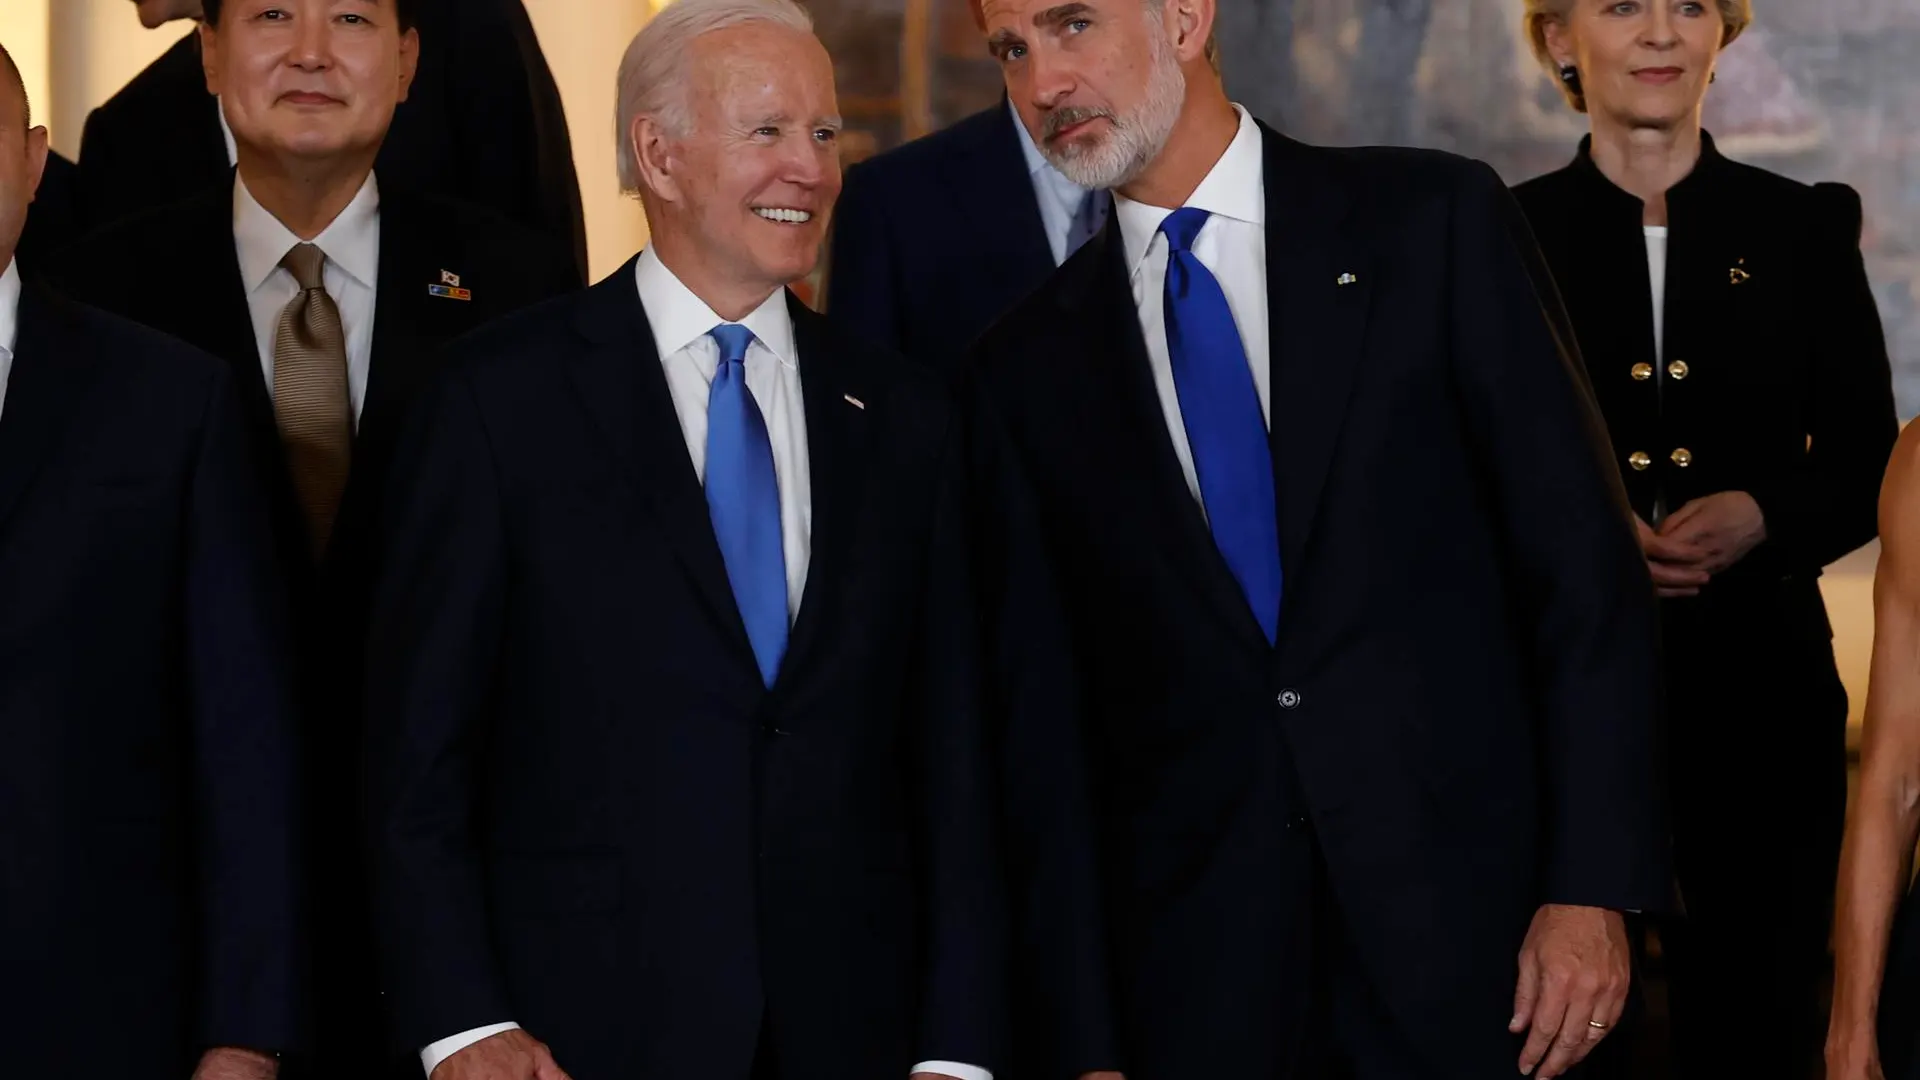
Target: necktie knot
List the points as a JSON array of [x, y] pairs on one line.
[[308, 265], [733, 340], [1183, 227]]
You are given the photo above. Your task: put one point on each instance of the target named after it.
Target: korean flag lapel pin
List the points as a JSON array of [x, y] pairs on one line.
[[448, 287]]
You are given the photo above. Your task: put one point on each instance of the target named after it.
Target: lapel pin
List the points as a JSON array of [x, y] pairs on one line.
[[855, 402], [1345, 279], [1737, 274], [449, 287]]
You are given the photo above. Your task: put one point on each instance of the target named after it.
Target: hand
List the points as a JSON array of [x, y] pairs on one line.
[[1670, 563], [510, 1055], [231, 1063], [1719, 529], [1853, 1055], [1573, 974]]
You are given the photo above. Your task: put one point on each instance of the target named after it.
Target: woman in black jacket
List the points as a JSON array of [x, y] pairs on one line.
[[1732, 341]]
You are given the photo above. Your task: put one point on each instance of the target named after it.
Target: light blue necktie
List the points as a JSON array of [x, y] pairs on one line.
[[1221, 409], [743, 496]]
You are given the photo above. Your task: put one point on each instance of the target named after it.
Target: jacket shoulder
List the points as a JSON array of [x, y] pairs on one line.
[[129, 350], [153, 94], [947, 148]]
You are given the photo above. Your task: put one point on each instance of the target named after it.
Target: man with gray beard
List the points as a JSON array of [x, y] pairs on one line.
[[1360, 778]]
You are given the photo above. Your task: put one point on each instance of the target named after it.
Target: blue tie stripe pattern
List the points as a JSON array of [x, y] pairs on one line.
[[1220, 407], [743, 498]]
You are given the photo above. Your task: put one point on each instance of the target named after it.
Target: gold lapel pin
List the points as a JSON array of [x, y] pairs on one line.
[[855, 402], [1345, 279], [1736, 274]]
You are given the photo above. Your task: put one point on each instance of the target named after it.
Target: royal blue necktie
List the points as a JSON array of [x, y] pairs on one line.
[[1221, 409], [743, 495]]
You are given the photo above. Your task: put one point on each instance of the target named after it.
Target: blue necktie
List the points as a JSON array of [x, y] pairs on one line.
[[743, 496], [1221, 410]]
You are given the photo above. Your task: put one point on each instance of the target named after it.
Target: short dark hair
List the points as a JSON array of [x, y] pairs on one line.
[[408, 11], [19, 82]]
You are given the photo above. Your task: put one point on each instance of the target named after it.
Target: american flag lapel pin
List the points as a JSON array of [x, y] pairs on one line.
[[449, 288]]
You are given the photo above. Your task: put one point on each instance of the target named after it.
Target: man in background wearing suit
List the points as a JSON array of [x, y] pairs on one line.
[[148, 877], [935, 239], [329, 297], [55, 221], [483, 123], [1364, 640], [676, 756]]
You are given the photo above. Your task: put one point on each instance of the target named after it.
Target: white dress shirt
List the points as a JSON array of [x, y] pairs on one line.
[[1233, 245], [1059, 197], [681, 323], [9, 325], [352, 275]]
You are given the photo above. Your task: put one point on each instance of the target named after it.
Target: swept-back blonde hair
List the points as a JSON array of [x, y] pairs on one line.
[[1735, 17]]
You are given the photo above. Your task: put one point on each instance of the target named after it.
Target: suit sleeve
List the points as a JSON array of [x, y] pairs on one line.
[[962, 1016], [1061, 1000], [861, 286], [1826, 505], [246, 777], [1574, 567], [436, 629], [511, 129]]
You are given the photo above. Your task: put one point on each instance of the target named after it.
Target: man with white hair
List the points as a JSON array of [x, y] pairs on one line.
[[676, 769], [1363, 635]]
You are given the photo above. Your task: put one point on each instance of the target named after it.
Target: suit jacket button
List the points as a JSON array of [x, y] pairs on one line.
[[1289, 699], [1678, 369], [1639, 460], [1683, 457], [1642, 372]]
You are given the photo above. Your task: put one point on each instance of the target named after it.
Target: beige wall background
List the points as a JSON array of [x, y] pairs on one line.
[[76, 53]]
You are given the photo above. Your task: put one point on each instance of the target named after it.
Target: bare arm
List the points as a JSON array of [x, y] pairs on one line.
[[1884, 824]]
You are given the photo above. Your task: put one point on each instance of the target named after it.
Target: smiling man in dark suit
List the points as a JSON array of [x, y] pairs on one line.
[[936, 239], [678, 766], [1365, 643], [149, 908], [483, 123], [329, 297]]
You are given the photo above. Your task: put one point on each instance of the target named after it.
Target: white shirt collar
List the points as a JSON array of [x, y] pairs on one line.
[[679, 318], [226, 132], [9, 314], [1235, 188], [351, 242]]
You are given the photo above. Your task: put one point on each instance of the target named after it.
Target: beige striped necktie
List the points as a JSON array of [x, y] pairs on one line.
[[310, 398]]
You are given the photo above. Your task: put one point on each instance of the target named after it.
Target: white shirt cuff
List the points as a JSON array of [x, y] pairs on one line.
[[432, 1056], [954, 1069]]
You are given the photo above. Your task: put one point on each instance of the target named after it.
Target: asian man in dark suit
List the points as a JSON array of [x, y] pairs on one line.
[[936, 239], [678, 763], [483, 123], [329, 298], [1363, 638], [149, 885]]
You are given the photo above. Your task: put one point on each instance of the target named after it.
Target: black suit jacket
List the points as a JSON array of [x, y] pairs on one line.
[[1783, 389], [483, 123], [53, 221], [1457, 724], [590, 816], [936, 239], [148, 884], [185, 256]]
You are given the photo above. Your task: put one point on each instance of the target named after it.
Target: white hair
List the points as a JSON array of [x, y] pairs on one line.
[[653, 74]]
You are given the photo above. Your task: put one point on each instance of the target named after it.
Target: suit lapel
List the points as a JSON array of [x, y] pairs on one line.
[[837, 475], [1103, 292], [1318, 285], [997, 197], [211, 283], [42, 393], [402, 353], [623, 389]]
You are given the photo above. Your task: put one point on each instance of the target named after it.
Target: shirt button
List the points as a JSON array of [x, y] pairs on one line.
[[1289, 699]]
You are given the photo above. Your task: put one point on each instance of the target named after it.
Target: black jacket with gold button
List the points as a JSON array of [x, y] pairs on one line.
[[1775, 379]]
